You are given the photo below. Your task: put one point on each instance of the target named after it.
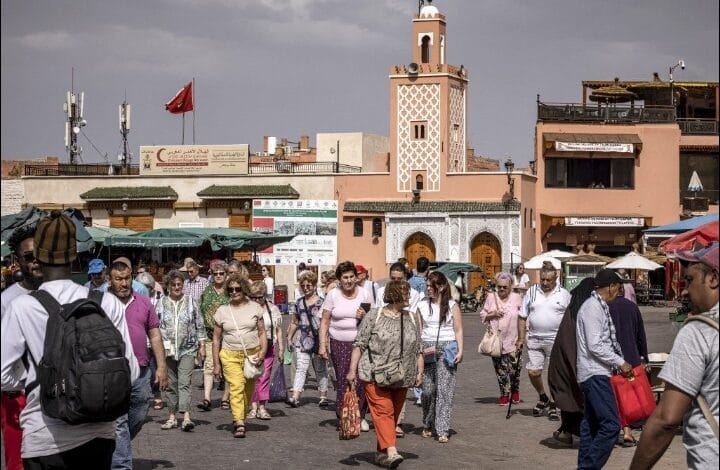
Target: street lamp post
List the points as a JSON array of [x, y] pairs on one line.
[[681, 64], [509, 167]]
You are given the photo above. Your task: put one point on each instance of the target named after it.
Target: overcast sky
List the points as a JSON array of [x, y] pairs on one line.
[[290, 67]]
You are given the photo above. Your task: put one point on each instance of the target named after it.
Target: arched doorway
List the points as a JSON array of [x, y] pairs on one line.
[[484, 251], [417, 245]]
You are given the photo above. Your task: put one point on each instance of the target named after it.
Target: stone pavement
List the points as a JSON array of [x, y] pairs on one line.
[[305, 437]]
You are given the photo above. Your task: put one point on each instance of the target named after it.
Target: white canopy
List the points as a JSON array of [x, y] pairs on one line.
[[695, 183], [536, 262], [634, 260], [559, 254]]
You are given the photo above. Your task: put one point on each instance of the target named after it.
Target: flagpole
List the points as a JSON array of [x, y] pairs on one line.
[[194, 105], [183, 129]]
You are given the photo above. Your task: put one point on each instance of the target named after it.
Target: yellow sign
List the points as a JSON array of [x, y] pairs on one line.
[[194, 159]]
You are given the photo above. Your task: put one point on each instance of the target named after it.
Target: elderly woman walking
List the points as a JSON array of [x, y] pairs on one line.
[[344, 308], [239, 333], [388, 340], [183, 334], [442, 337], [500, 312], [275, 348]]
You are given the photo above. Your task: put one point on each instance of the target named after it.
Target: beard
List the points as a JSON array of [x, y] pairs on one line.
[[32, 278]]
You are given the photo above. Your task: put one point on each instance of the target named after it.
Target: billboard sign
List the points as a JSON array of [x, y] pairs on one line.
[[193, 160], [313, 222]]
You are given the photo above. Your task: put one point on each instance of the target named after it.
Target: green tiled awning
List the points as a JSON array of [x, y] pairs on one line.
[[138, 192], [430, 206], [258, 191]]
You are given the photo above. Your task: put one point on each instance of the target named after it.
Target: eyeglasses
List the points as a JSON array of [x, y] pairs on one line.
[[219, 273], [306, 286], [258, 297], [234, 290], [28, 256]]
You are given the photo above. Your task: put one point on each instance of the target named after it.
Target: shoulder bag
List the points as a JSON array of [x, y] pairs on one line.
[[391, 374], [491, 343]]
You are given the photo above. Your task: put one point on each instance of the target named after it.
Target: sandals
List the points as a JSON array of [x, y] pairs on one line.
[[187, 425], [205, 405], [443, 439], [399, 432], [539, 408], [169, 424], [263, 414], [239, 430], [225, 405], [553, 414], [252, 414], [427, 432], [323, 402], [293, 402], [158, 404], [632, 442]]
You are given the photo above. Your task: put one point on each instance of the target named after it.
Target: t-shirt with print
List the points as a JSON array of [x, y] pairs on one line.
[[343, 312], [692, 367], [239, 325]]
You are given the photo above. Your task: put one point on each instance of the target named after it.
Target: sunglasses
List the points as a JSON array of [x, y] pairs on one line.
[[28, 256], [258, 297], [234, 290], [219, 273]]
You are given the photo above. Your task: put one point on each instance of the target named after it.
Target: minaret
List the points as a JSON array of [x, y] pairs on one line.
[[428, 108]]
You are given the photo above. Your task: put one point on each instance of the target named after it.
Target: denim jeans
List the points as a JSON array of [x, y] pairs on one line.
[[600, 425], [129, 425]]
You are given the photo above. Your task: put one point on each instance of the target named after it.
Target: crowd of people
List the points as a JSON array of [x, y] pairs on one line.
[[382, 341]]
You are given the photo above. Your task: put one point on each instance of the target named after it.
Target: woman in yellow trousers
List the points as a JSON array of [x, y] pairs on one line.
[[239, 331]]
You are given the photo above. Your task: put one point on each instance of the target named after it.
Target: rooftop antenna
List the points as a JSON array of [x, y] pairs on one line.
[[73, 107], [124, 124]]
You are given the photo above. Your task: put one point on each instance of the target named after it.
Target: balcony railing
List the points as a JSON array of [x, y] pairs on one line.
[[698, 126], [67, 169], [301, 168], [80, 169], [711, 195], [576, 112]]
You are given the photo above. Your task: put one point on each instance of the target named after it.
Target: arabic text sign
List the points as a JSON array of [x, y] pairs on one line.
[[593, 147], [194, 159], [604, 221], [313, 222]]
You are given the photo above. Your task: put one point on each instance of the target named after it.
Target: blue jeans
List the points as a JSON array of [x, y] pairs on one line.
[[600, 425], [129, 425]]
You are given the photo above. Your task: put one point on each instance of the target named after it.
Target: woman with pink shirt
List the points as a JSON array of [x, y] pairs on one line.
[[343, 309], [501, 312]]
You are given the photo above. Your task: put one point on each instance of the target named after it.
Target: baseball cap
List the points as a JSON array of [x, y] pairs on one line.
[[707, 256], [124, 261], [95, 266], [605, 277], [360, 268], [55, 242]]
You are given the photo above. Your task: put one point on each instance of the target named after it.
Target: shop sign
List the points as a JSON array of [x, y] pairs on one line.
[[604, 221], [594, 147], [194, 159]]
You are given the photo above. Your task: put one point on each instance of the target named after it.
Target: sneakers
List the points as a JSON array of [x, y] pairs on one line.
[[393, 460], [364, 426], [563, 437], [187, 425], [553, 413], [323, 402], [516, 398], [504, 400]]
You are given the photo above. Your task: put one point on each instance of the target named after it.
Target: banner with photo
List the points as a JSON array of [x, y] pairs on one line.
[[313, 222]]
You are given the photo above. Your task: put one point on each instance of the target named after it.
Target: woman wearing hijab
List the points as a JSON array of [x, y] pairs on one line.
[[562, 377]]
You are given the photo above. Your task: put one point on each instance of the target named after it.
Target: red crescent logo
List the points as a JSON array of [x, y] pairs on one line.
[[157, 155]]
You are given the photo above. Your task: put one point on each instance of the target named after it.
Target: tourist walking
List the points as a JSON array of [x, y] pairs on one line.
[[500, 312], [275, 348], [239, 333], [183, 334], [304, 338], [387, 341], [269, 283], [521, 281], [195, 284], [343, 310], [442, 337]]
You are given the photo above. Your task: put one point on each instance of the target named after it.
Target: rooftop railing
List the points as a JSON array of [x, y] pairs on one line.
[[576, 112], [698, 126]]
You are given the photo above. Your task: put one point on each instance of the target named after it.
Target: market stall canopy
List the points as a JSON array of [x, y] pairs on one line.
[[702, 236], [31, 215], [219, 238], [99, 234], [559, 254], [536, 262], [588, 260], [634, 260], [451, 270], [683, 225]]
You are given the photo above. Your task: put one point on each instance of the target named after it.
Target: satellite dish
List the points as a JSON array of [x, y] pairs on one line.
[[412, 68]]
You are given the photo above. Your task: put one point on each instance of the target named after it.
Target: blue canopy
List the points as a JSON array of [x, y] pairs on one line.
[[684, 225]]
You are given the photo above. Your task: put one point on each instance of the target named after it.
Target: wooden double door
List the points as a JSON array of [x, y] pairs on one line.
[[485, 251], [418, 245]]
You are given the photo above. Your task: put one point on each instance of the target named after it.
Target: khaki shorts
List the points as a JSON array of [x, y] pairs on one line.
[[538, 353], [209, 363]]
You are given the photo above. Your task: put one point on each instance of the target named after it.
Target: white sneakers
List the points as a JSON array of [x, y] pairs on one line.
[[364, 426]]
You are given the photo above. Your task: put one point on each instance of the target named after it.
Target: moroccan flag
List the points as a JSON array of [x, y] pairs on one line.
[[182, 102]]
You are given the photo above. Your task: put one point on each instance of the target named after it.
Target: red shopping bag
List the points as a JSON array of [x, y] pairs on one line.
[[350, 415], [634, 397]]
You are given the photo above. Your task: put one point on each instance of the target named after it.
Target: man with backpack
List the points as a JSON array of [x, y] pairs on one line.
[[690, 373], [143, 325], [66, 424]]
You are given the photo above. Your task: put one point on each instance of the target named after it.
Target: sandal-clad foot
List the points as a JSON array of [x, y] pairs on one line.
[[443, 439], [263, 414], [225, 405], [252, 414], [399, 432], [205, 405], [187, 425], [427, 432], [239, 431], [393, 460], [169, 424]]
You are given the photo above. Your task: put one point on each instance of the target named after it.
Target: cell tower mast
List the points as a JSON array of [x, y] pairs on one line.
[[73, 107], [124, 123]]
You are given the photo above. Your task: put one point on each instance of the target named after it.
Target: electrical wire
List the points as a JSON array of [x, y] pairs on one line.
[[93, 146]]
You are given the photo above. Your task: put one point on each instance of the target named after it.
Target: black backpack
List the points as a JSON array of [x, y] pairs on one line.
[[84, 376]]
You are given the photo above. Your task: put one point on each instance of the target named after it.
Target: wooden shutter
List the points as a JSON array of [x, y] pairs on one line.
[[138, 223], [240, 221]]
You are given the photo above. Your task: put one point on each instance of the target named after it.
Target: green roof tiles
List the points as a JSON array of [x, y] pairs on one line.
[[430, 206], [217, 191], [137, 192]]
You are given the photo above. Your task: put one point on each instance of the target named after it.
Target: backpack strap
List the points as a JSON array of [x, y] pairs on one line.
[[96, 295], [50, 305], [702, 402]]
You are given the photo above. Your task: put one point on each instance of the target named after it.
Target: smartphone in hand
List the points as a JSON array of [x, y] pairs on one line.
[[365, 306]]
